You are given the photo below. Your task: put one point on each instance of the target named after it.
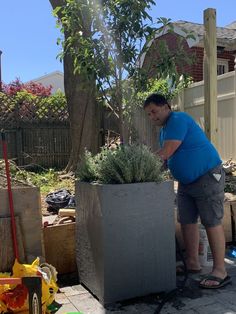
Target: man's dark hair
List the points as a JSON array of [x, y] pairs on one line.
[[156, 99]]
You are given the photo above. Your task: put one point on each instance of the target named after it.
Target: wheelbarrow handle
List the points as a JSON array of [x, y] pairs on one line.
[[10, 197], [3, 135]]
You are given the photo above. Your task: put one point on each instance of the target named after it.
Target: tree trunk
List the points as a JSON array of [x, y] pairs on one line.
[[84, 112]]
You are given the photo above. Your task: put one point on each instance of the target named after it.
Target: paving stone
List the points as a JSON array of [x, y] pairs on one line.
[[69, 291], [215, 308], [139, 308], [171, 310], [66, 308], [61, 298], [128, 310], [228, 297], [87, 304], [192, 300], [80, 289]]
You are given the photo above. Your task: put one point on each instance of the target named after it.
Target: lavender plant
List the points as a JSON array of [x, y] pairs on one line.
[[124, 164]]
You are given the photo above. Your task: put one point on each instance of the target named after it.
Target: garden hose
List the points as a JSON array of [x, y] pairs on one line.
[[173, 292]]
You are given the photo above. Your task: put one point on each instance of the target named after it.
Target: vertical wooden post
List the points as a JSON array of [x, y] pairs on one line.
[[235, 80], [181, 103], [210, 76]]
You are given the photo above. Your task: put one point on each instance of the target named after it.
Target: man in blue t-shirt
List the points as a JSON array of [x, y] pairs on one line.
[[196, 165]]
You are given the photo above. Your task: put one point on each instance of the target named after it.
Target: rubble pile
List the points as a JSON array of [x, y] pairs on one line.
[[60, 208], [13, 170], [230, 180]]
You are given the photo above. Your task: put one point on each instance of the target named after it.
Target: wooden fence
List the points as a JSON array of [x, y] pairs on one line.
[[146, 132], [36, 134]]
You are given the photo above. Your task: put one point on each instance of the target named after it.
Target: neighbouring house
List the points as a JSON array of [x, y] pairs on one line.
[[226, 47], [56, 79]]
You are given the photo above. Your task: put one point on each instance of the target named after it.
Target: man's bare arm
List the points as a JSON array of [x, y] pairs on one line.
[[168, 149]]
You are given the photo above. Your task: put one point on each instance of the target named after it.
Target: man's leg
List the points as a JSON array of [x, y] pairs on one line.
[[217, 244], [191, 240]]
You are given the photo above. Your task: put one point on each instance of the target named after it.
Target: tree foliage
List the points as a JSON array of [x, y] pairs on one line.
[[110, 51], [164, 87]]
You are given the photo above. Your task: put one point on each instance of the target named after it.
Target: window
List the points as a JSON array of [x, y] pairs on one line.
[[222, 66]]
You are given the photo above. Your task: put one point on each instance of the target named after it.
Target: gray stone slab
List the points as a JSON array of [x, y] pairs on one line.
[[171, 310], [87, 304], [69, 291], [80, 289], [214, 308], [66, 308], [203, 301], [192, 300], [61, 298], [228, 297]]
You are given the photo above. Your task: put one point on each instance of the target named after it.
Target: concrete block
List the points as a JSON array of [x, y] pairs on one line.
[[27, 207]]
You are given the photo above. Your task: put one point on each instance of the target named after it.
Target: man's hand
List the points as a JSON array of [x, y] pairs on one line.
[[164, 166]]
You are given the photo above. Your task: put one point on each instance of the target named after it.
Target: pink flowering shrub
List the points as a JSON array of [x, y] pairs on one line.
[[33, 88]]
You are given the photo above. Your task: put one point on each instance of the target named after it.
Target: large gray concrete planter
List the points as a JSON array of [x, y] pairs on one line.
[[125, 239]]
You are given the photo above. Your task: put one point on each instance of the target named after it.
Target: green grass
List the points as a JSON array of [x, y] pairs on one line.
[[47, 181]]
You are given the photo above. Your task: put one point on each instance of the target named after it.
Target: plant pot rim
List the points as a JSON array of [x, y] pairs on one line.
[[119, 184]]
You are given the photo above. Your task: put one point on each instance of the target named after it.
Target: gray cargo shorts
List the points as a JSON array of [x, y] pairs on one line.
[[202, 198]]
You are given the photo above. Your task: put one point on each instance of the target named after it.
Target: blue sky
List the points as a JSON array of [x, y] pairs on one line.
[[28, 32]]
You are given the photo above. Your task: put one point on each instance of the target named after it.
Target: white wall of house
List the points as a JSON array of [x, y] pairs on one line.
[[56, 79], [192, 101]]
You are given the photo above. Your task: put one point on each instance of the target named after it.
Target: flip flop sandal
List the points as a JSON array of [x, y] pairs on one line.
[[221, 282], [180, 270]]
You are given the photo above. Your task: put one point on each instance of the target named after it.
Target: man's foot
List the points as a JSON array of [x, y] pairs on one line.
[[213, 282], [181, 271]]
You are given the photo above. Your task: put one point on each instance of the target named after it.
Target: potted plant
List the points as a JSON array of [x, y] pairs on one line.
[[125, 224]]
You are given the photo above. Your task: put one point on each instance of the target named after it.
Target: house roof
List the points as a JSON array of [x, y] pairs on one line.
[[231, 25], [51, 74], [226, 36], [55, 79]]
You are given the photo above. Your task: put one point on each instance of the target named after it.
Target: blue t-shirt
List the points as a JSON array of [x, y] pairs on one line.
[[196, 155]]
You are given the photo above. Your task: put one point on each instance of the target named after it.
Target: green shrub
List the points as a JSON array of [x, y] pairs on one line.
[[87, 169], [124, 164]]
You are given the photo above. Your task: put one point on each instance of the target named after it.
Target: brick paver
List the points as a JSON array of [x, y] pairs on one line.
[[192, 300]]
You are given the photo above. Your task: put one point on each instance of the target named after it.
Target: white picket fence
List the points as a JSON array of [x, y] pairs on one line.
[[191, 101]]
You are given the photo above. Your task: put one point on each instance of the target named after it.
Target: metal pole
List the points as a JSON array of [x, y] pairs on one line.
[[0, 71]]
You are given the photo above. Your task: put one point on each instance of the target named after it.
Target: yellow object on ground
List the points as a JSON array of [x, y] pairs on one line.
[[15, 297]]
